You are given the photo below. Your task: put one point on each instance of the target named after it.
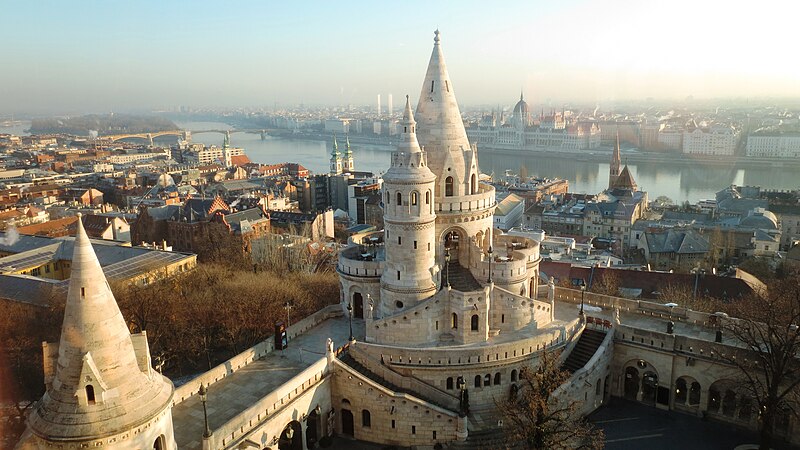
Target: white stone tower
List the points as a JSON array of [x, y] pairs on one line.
[[464, 206], [409, 224], [348, 164], [101, 390], [336, 158]]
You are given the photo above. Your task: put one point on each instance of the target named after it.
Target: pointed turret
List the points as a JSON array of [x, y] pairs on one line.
[[102, 383], [441, 129], [336, 158], [409, 141], [348, 164], [615, 167]]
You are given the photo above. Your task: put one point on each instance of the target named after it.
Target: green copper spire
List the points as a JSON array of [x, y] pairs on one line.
[[335, 146], [347, 152]]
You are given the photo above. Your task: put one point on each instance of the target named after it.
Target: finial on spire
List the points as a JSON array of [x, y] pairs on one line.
[[520, 94], [436, 37], [408, 116]]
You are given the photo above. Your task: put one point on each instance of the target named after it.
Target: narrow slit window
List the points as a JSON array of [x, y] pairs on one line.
[[90, 394], [432, 84]]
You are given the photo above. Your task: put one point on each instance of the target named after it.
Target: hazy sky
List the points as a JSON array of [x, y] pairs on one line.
[[81, 56]]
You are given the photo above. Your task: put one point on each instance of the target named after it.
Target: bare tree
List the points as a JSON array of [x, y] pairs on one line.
[[538, 420], [607, 283], [767, 326]]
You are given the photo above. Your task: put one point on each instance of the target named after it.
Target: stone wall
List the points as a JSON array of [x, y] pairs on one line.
[[253, 353], [391, 418]]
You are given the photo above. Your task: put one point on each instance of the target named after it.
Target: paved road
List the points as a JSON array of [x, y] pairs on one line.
[[632, 426]]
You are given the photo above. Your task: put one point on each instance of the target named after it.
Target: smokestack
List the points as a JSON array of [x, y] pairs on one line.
[[379, 104], [389, 112]]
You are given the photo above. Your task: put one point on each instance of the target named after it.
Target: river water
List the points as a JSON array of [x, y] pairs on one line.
[[678, 182]]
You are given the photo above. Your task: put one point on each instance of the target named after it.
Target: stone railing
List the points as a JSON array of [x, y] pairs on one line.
[[406, 382], [241, 424], [539, 310], [649, 308], [485, 198], [455, 356], [352, 263], [253, 353], [409, 397], [585, 379]]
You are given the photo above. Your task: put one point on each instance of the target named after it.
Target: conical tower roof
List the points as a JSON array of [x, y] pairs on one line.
[[409, 162], [440, 127], [335, 151], [101, 387]]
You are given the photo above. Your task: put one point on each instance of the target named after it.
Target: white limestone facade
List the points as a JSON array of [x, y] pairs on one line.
[[445, 276], [101, 389]]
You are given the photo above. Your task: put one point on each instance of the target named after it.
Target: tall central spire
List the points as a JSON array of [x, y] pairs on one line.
[[440, 128]]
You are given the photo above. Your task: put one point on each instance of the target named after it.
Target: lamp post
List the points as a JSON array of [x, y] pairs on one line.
[[670, 324], [203, 398], [490, 263], [288, 306], [350, 315], [583, 295], [447, 265]]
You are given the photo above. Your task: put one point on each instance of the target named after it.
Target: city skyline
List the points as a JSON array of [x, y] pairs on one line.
[[120, 57]]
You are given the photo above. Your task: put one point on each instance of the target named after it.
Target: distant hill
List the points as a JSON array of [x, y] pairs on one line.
[[102, 124]]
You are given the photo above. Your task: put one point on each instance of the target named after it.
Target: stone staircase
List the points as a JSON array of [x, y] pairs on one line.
[[583, 351], [348, 360], [461, 278]]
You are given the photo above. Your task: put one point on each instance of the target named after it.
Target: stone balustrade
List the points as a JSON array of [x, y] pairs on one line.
[[253, 353], [484, 199], [353, 262], [473, 356], [243, 423]]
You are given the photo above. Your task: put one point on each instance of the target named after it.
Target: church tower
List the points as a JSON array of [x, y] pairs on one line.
[[615, 168], [336, 158], [409, 223], [348, 163], [464, 205], [101, 390]]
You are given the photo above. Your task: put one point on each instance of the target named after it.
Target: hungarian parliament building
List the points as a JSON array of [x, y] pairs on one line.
[[524, 131]]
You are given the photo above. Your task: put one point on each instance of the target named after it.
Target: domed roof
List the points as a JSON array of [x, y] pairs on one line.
[[761, 219], [521, 108]]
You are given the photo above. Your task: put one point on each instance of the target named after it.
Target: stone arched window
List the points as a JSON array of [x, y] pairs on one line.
[[514, 375], [497, 379], [473, 186], [399, 199], [90, 394], [414, 199], [366, 419], [388, 198], [454, 325], [448, 187], [477, 381], [449, 383], [159, 443], [428, 197], [487, 380], [474, 322]]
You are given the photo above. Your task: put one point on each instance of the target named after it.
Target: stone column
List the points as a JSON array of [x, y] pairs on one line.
[[461, 429], [551, 297]]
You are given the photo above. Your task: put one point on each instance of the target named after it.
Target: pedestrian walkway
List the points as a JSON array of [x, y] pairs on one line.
[[240, 390]]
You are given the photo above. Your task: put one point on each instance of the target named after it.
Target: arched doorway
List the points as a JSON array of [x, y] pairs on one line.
[[631, 383], [312, 429], [358, 306], [451, 244], [159, 443], [649, 387], [291, 437], [347, 423]]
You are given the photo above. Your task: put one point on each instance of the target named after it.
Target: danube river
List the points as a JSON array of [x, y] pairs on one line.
[[679, 182]]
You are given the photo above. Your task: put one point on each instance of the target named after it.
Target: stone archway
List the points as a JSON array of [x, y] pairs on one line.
[[348, 426], [455, 241], [358, 305], [631, 383], [291, 437], [313, 429]]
